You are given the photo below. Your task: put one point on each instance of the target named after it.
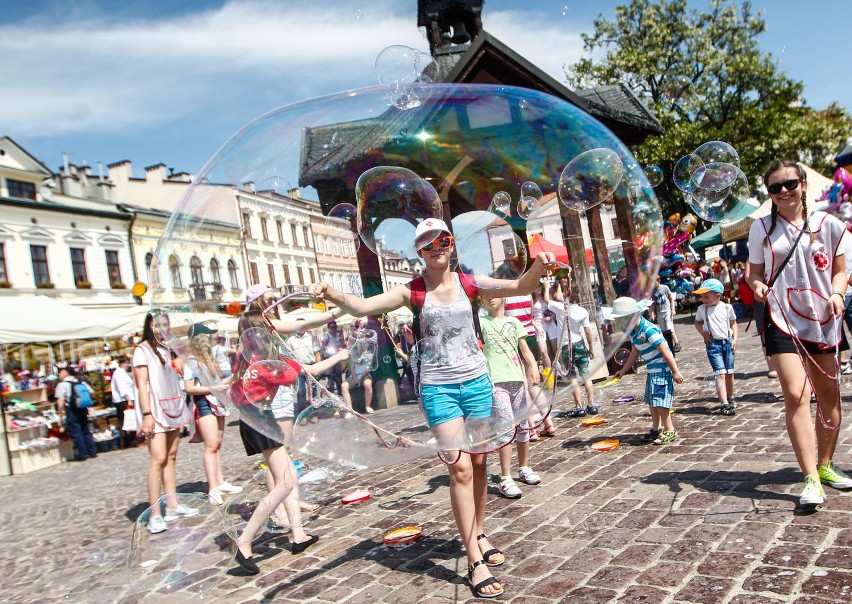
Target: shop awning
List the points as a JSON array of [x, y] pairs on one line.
[[42, 319], [539, 244]]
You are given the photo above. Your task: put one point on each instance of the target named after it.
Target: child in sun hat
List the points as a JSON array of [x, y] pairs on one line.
[[648, 341], [717, 323]]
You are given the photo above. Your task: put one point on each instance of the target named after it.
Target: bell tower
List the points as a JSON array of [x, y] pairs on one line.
[[450, 24]]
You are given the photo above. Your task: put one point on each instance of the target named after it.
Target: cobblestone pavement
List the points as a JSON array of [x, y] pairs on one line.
[[709, 520]]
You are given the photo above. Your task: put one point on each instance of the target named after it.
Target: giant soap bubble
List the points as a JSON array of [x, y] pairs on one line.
[[448, 155]]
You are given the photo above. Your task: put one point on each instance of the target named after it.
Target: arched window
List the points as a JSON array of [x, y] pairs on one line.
[[232, 274], [195, 270], [215, 275], [174, 269]]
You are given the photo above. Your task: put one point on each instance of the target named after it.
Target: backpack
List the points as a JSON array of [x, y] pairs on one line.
[[80, 397]]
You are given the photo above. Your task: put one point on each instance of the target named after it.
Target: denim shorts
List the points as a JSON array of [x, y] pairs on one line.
[[444, 402], [203, 406], [721, 355], [659, 389]]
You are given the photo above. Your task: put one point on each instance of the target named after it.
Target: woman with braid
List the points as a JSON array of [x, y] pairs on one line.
[[797, 268]]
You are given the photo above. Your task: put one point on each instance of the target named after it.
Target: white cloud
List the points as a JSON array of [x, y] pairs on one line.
[[92, 74]]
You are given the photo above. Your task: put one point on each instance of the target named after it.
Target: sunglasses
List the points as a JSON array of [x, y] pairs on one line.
[[791, 184], [441, 242]]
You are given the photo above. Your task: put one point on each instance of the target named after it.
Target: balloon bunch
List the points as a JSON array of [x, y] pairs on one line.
[[680, 261], [835, 197]]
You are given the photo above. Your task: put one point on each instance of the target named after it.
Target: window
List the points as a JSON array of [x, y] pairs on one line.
[[174, 271], [255, 278], [327, 246], [271, 270], [113, 270], [313, 275], [263, 229], [247, 225], [280, 227], [287, 278], [153, 274], [300, 275], [232, 273], [21, 190], [41, 274], [4, 275], [195, 271], [215, 275], [294, 233], [615, 228], [78, 266], [306, 237], [318, 242], [336, 247]]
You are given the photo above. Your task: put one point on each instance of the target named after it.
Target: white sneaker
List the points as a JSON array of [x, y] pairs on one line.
[[181, 511], [348, 415], [509, 489], [528, 476], [215, 496], [812, 494], [156, 524], [845, 369], [227, 487]]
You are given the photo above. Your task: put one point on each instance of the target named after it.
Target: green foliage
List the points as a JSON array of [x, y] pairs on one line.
[[736, 93]]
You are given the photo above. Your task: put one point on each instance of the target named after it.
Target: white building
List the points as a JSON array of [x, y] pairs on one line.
[[59, 237]]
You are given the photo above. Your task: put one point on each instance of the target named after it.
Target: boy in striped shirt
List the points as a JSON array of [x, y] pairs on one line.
[[649, 343]]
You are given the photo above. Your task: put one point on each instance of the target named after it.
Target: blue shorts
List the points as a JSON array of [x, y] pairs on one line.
[[203, 406], [721, 355], [659, 389], [444, 402]]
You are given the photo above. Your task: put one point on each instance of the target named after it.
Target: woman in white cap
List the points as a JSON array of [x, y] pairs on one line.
[[455, 386], [797, 267]]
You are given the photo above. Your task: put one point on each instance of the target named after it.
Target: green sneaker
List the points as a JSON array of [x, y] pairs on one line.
[[812, 494], [834, 476], [667, 438]]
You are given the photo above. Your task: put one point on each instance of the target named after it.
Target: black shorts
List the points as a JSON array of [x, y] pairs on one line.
[[254, 442], [778, 342]]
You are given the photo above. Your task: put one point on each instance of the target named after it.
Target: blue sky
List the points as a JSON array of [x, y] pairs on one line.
[[170, 80]]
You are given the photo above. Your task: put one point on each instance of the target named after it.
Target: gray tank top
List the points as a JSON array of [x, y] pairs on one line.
[[450, 331]]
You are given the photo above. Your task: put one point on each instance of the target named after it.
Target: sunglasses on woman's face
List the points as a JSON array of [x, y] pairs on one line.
[[441, 242], [791, 184]]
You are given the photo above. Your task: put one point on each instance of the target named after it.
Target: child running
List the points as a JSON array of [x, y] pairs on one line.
[[717, 323], [503, 337], [663, 373]]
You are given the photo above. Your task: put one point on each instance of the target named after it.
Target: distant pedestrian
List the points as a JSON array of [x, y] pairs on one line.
[[663, 372], [124, 397], [664, 308], [717, 324], [76, 415]]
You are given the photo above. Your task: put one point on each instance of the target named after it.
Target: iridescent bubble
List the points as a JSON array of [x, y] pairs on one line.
[[717, 152], [501, 202], [526, 207], [274, 185], [398, 68], [465, 140], [342, 224], [654, 174], [590, 179], [715, 176], [621, 356], [723, 205], [185, 561], [262, 380], [358, 14], [684, 168], [488, 247], [391, 203], [531, 189], [363, 354], [318, 480]]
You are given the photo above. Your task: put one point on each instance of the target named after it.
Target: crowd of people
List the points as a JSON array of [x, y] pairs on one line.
[[532, 330]]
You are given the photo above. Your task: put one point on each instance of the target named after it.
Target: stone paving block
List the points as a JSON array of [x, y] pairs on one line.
[[792, 556], [589, 595], [829, 584], [642, 594], [836, 557], [704, 590], [772, 579]]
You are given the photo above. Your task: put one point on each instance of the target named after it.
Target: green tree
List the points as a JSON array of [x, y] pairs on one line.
[[704, 76]]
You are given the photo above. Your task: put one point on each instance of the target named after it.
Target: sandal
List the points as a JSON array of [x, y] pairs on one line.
[[548, 432], [593, 409], [727, 409], [577, 412], [492, 552], [477, 589]]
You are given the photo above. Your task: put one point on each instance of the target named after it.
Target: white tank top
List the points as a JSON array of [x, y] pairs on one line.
[[450, 331]]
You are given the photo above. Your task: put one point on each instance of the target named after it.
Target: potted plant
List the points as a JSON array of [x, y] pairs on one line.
[[84, 285], [5, 284], [118, 285], [45, 285]]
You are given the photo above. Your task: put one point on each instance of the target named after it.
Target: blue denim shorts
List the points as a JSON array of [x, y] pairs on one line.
[[721, 355], [203, 406], [659, 389], [444, 402]]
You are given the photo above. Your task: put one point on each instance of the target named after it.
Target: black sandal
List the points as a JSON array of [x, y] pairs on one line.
[[477, 589], [492, 552]]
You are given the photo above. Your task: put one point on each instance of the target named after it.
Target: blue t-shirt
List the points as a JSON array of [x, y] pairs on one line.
[[646, 339]]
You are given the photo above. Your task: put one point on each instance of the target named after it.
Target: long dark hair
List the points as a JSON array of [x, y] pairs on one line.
[[148, 336], [776, 165]]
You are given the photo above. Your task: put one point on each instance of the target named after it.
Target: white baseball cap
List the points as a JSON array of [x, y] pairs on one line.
[[256, 291], [428, 230]]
